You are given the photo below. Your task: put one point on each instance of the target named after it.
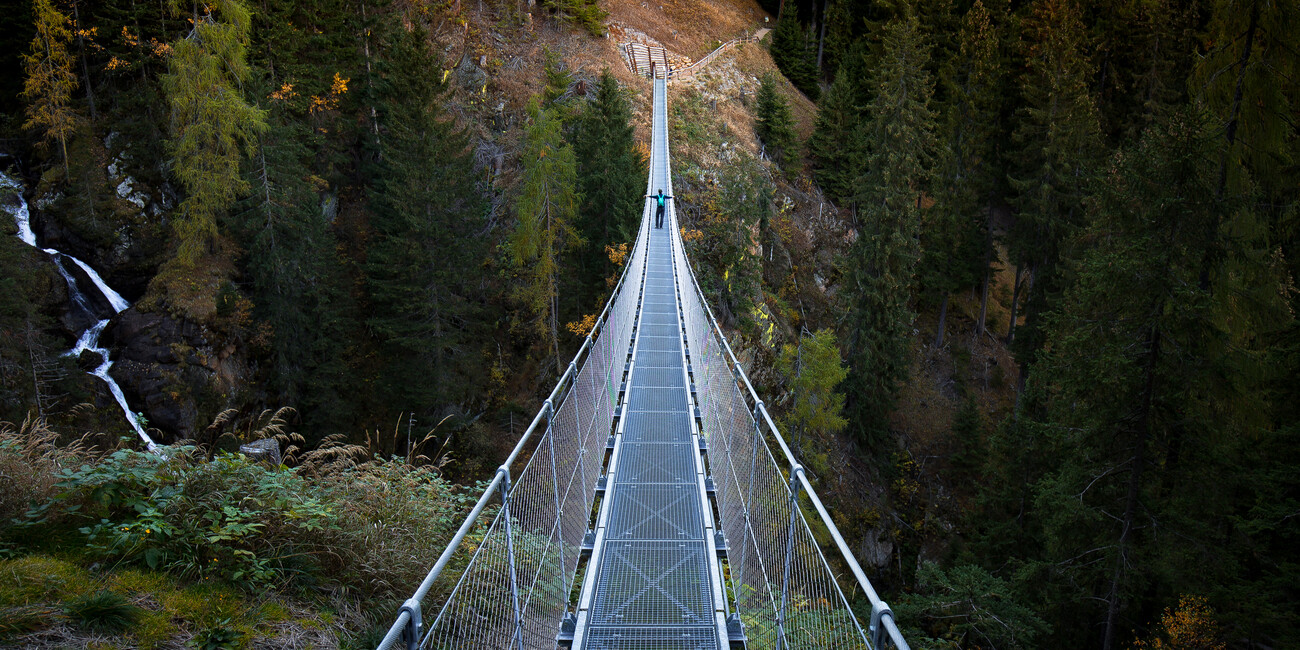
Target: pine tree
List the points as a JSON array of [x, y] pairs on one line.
[[812, 369], [212, 126], [792, 55], [610, 175], [957, 237], [775, 124], [427, 218], [839, 112], [50, 79], [1142, 388], [296, 285], [546, 208], [1059, 143], [898, 137], [1247, 78]]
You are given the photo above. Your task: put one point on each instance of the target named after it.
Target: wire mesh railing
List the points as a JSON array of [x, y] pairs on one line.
[[783, 588], [517, 580]]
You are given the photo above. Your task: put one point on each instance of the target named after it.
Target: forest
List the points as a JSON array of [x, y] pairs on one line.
[[1019, 277]]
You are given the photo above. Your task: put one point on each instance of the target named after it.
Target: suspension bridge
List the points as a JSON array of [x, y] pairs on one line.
[[659, 508]]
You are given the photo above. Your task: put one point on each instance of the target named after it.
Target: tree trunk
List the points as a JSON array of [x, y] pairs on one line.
[[943, 317], [1015, 304], [374, 115], [988, 262], [821, 41], [81, 47], [1234, 114], [1138, 459]]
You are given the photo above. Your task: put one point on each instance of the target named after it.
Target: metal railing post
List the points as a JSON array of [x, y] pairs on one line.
[[518, 639], [789, 554], [411, 633], [875, 630]]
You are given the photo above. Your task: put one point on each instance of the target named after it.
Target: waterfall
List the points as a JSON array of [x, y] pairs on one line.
[[89, 339]]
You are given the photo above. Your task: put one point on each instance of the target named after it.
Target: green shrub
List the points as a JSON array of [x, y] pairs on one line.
[[373, 526], [103, 611], [217, 637]]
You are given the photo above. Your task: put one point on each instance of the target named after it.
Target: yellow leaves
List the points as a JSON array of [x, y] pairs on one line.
[[330, 101], [581, 328], [285, 93], [689, 235], [339, 87], [617, 255], [1191, 627], [129, 38], [115, 63]]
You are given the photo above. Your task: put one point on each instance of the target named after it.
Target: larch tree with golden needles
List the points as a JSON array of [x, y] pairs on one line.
[[212, 126], [50, 79], [546, 208]]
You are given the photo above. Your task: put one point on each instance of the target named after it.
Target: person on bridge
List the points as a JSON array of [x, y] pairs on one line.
[[659, 210]]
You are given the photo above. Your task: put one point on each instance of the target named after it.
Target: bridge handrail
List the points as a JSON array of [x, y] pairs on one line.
[[882, 618]]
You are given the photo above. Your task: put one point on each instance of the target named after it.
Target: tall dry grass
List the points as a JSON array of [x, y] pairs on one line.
[[31, 461]]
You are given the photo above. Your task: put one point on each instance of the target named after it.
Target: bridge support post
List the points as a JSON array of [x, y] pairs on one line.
[[782, 641], [411, 633], [517, 640], [875, 630]]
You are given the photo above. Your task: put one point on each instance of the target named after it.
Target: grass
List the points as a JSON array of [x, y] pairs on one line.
[[102, 611]]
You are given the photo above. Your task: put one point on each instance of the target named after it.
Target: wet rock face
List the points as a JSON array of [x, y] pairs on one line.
[[160, 366]]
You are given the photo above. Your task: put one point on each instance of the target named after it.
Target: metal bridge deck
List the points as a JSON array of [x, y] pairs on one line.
[[656, 579]]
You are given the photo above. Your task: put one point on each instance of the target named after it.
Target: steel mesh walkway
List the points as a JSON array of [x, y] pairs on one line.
[[654, 580], [687, 549]]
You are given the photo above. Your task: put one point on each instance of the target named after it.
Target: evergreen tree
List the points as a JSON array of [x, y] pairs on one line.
[[956, 237], [610, 176], [836, 163], [899, 141], [427, 221], [775, 124], [1059, 142], [50, 79], [297, 287], [1247, 79], [546, 208], [212, 126], [812, 369], [792, 55], [1142, 391], [557, 78]]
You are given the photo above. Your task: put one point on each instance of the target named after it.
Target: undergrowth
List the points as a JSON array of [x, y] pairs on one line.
[[128, 542]]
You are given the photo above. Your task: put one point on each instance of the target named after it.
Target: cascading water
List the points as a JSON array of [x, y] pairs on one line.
[[89, 339]]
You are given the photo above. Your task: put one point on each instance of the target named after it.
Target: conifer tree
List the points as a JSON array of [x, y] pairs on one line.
[[813, 370], [956, 237], [1248, 79], [898, 137], [775, 124], [1140, 385], [834, 159], [50, 79], [427, 221], [610, 176], [212, 126], [792, 55], [546, 208], [1059, 143]]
